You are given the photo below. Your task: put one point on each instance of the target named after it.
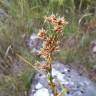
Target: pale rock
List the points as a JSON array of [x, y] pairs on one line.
[[42, 92], [39, 85], [94, 49]]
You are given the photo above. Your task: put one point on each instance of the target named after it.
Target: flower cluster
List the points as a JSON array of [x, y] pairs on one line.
[[42, 34], [51, 43], [42, 67], [50, 46], [58, 23]]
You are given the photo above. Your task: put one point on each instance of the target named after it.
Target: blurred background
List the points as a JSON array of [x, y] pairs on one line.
[[20, 18]]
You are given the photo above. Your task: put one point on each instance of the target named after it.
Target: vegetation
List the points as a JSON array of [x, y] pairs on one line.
[[19, 18], [51, 41]]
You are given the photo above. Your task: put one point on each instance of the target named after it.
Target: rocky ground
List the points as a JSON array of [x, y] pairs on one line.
[[73, 82]]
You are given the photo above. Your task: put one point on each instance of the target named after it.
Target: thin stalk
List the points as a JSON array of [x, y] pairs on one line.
[[51, 83], [27, 62]]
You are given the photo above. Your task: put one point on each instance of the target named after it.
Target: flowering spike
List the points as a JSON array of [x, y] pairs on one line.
[[51, 45]]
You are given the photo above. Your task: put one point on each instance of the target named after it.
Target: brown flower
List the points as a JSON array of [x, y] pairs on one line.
[[45, 66], [42, 67], [48, 48], [42, 34], [49, 42], [57, 23], [52, 19], [58, 29], [61, 21], [44, 53]]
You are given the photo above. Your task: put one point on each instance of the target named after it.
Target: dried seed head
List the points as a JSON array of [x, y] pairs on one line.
[[58, 29], [57, 23], [61, 21], [42, 34], [45, 66], [51, 19], [50, 43], [44, 53]]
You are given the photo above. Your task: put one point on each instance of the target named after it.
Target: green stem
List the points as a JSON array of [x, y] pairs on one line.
[[52, 85]]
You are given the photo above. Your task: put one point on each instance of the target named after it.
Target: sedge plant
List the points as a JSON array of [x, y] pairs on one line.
[[51, 44]]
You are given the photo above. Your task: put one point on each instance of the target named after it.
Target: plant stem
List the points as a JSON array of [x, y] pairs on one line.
[[51, 83]]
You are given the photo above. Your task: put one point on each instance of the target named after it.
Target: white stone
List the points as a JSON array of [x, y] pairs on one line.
[[39, 85], [58, 74], [42, 92], [65, 69], [33, 36], [94, 49], [72, 80]]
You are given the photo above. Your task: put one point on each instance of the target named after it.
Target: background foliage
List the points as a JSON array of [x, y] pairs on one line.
[[19, 18]]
